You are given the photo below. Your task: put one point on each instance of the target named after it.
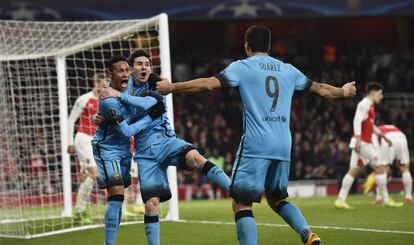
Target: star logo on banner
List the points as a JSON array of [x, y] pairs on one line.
[[28, 11], [22, 13], [245, 8]]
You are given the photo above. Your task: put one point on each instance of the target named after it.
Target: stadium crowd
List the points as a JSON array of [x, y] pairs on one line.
[[321, 129]]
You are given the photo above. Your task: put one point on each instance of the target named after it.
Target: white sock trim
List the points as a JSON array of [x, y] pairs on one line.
[[408, 183], [84, 192], [381, 180]]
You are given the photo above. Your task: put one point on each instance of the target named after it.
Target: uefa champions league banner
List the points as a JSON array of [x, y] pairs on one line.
[[196, 9]]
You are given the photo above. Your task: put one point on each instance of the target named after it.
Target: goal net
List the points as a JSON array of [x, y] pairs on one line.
[[44, 68]]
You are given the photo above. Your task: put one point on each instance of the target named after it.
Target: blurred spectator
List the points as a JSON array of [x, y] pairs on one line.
[[216, 158]]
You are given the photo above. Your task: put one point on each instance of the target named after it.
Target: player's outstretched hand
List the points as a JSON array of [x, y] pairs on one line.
[[108, 92], [98, 120], [389, 142], [153, 94], [349, 89], [114, 120], [164, 86]]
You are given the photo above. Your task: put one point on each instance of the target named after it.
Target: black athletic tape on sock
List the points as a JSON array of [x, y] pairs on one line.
[[280, 206], [207, 167], [118, 198], [242, 214], [150, 219], [304, 235]]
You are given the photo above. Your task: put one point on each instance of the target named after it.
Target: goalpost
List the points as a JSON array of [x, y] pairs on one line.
[[44, 68]]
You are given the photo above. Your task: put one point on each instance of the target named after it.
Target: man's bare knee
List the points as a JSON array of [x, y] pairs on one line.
[[194, 159], [274, 202], [116, 190], [152, 205], [92, 172], [380, 170], [238, 206], [404, 168], [354, 172]]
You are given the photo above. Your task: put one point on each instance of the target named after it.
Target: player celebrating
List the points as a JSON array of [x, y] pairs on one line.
[[157, 147], [84, 109], [266, 86], [111, 145], [363, 151], [398, 151]]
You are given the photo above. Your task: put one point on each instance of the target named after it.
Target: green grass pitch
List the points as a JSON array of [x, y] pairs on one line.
[[379, 225]]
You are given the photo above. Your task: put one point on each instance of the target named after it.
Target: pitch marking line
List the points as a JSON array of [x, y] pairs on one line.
[[313, 226]]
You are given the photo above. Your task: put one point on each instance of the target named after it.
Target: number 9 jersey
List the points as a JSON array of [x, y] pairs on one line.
[[266, 86]]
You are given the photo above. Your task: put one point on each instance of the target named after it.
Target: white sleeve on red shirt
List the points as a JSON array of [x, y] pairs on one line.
[[74, 116], [361, 114]]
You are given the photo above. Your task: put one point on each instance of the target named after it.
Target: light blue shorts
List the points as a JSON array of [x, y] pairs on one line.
[[114, 173], [153, 163], [253, 176]]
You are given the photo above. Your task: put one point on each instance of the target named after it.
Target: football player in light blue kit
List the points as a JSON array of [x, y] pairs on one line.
[[266, 86], [111, 144], [157, 146]]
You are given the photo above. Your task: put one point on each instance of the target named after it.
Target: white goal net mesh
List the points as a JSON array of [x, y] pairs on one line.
[[31, 154]]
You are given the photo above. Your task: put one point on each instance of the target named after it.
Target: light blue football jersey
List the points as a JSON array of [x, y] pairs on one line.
[[266, 86], [158, 129], [112, 141]]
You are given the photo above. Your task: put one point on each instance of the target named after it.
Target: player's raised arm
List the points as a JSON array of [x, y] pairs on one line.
[[193, 86], [332, 92], [130, 130], [304, 84], [143, 103], [228, 78], [378, 132]]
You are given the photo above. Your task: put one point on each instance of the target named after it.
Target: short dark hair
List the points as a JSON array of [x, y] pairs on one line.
[[137, 53], [373, 86], [258, 38], [115, 59]]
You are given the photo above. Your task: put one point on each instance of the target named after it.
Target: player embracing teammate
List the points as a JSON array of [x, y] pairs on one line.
[[156, 146], [111, 142]]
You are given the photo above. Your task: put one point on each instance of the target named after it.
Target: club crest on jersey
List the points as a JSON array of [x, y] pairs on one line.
[[117, 176]]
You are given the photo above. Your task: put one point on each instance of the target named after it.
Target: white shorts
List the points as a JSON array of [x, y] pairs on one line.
[[368, 154], [398, 151], [83, 148]]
